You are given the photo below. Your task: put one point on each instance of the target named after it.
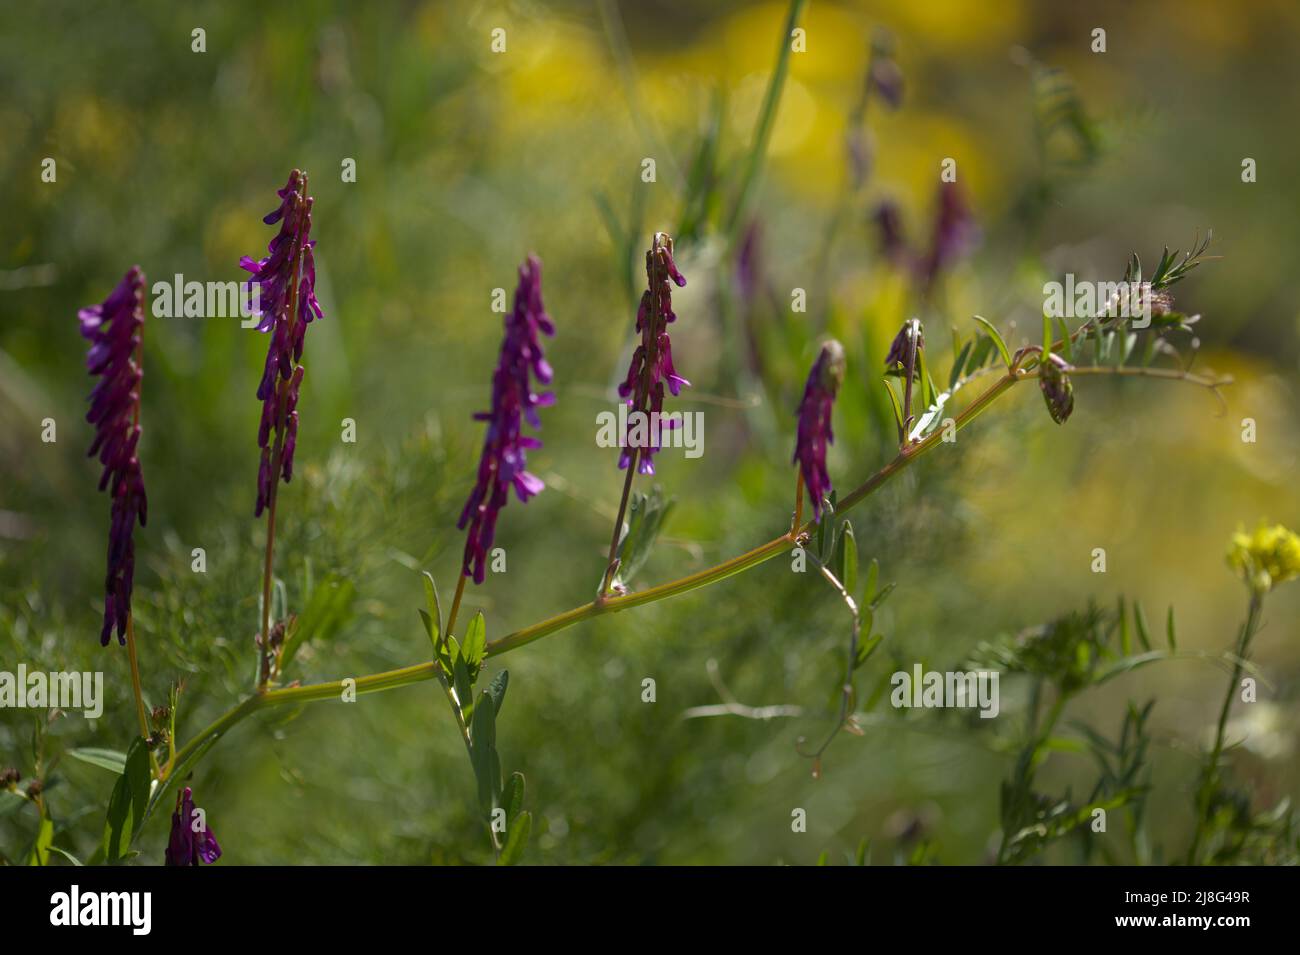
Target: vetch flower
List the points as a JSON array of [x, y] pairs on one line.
[[502, 463], [889, 225], [955, 233], [652, 362], [114, 329], [815, 422], [191, 841], [1057, 390], [286, 281], [1266, 558]]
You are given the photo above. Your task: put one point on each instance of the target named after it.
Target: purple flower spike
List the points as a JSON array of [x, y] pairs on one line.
[[191, 840], [286, 281], [652, 362], [815, 422], [502, 464], [114, 329], [955, 233]]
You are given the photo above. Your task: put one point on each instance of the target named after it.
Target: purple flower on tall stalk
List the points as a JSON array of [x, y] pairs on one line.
[[815, 422], [652, 362], [955, 233], [114, 329], [502, 464], [286, 281], [187, 844]]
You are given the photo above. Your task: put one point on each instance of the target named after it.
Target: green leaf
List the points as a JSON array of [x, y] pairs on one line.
[[1169, 629], [828, 519], [646, 518], [433, 614], [328, 609], [11, 802], [128, 801], [462, 682], [866, 648], [1048, 337], [1140, 621], [1067, 343], [848, 559], [67, 855], [497, 690], [978, 358], [893, 400], [926, 392], [483, 753], [873, 575], [475, 643], [109, 759], [516, 839], [512, 797], [997, 339], [40, 853], [880, 597], [959, 364], [1125, 641]]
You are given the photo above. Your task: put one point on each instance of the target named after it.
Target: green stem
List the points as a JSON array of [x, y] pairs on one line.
[[766, 119], [1210, 775], [421, 672]]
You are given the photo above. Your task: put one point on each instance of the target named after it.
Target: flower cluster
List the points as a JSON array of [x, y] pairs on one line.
[[191, 841], [652, 362], [114, 329], [502, 464], [815, 422], [1266, 558], [286, 281]]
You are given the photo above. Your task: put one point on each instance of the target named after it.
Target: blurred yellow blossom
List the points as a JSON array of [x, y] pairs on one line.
[[1269, 556]]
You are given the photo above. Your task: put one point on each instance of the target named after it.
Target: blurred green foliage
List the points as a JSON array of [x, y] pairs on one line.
[[467, 160]]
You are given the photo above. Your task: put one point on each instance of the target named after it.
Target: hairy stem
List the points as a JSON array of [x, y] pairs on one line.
[[766, 119], [418, 673], [455, 604], [135, 684]]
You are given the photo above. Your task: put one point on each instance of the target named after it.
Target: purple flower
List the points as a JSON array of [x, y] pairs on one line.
[[815, 422], [502, 464], [889, 224], [652, 362], [191, 840], [886, 81], [286, 281], [114, 329], [955, 233]]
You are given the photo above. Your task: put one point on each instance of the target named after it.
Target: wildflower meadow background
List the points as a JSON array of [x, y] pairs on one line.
[[801, 181]]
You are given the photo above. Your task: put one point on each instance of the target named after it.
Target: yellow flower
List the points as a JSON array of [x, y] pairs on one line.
[[1266, 558]]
